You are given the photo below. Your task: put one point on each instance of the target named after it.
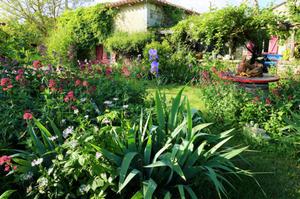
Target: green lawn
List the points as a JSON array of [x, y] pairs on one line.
[[277, 174]]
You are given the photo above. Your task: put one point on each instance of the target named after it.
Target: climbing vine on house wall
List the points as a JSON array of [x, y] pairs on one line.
[[78, 31]]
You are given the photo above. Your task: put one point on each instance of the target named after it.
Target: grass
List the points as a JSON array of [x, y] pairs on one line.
[[276, 173]]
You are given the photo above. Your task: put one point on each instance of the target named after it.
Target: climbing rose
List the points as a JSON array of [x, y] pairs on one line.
[[27, 116]]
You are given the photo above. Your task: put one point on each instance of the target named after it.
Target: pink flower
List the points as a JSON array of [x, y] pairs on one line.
[[70, 97], [77, 82], [268, 102], [52, 83], [125, 71], [4, 81], [20, 71], [27, 116], [7, 168], [14, 167], [19, 77], [5, 159], [85, 83], [37, 64]]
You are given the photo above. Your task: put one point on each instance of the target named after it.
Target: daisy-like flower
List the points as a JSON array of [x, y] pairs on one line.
[[125, 106], [107, 102], [37, 162], [53, 138], [98, 155], [106, 121], [115, 99], [68, 131]]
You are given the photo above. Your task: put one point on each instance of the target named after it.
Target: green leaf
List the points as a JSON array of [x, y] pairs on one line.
[[7, 194], [200, 127], [194, 157], [233, 153], [125, 166], [38, 145], [56, 130], [167, 195], [191, 192], [189, 120], [217, 146], [174, 110], [147, 152], [160, 118], [45, 134], [179, 171], [149, 188], [137, 195], [181, 191], [110, 156], [129, 177]]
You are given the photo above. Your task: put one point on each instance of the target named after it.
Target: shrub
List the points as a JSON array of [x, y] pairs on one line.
[[175, 66], [171, 158], [128, 44]]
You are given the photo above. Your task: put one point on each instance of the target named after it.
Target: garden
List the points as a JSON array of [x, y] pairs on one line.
[[157, 122]]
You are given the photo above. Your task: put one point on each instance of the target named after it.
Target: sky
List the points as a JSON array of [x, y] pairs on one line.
[[203, 5]]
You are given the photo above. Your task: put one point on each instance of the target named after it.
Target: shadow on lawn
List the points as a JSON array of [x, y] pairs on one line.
[[281, 179]]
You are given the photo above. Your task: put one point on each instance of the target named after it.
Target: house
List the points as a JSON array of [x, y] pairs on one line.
[[276, 47], [140, 16]]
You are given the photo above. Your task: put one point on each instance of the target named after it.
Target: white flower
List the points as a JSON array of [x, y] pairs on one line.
[[73, 143], [28, 176], [86, 117], [98, 155], [125, 106], [68, 131], [63, 121], [115, 99], [53, 138], [43, 182], [37, 162], [83, 99], [106, 121], [83, 188], [107, 102], [76, 111]]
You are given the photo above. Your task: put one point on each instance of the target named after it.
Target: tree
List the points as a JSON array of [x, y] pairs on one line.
[[231, 26], [41, 13]]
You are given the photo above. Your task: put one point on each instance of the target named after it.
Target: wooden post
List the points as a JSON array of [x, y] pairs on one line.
[[293, 43]]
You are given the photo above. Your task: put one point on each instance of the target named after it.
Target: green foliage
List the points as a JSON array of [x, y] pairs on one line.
[[128, 44], [78, 31], [7, 194], [231, 25], [175, 64], [170, 156]]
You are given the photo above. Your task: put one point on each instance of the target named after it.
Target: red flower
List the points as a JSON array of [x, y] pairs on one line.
[[77, 82], [268, 102], [4, 81], [85, 83], [19, 77], [7, 168], [14, 167], [74, 108], [125, 71], [108, 71], [52, 83], [70, 97], [37, 64], [5, 159], [27, 116], [20, 71]]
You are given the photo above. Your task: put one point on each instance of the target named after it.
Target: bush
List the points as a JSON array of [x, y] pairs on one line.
[[175, 66], [128, 44]]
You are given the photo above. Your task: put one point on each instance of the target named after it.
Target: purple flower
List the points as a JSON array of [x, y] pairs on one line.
[[154, 67], [153, 54]]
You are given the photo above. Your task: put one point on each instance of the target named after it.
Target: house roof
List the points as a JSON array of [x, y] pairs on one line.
[[159, 2], [279, 5]]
